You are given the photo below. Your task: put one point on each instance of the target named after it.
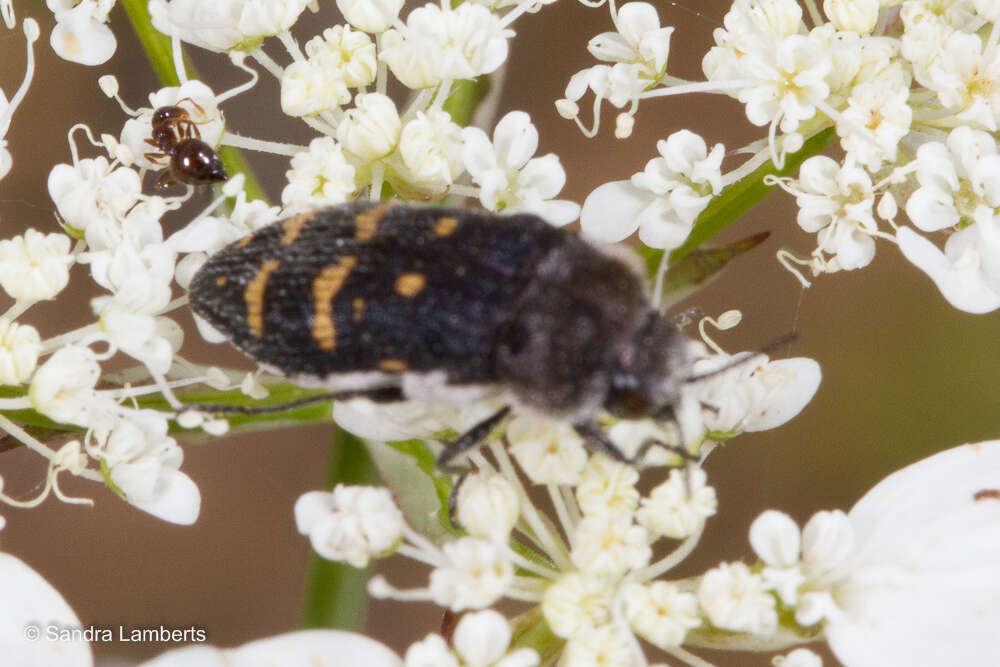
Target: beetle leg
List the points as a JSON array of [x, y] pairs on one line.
[[470, 439], [377, 395], [596, 440], [453, 499]]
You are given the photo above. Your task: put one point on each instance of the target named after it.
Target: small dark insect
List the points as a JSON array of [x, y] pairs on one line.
[[393, 302], [191, 160]]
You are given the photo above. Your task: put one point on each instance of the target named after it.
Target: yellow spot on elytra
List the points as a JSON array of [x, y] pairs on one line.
[[392, 365], [325, 288], [410, 284], [359, 309], [220, 281], [243, 242], [366, 222], [445, 226], [293, 227], [253, 295]]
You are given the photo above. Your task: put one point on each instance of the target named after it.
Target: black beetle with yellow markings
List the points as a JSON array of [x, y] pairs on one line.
[[394, 302]]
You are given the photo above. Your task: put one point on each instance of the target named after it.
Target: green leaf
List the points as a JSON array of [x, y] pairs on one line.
[[335, 592], [465, 97], [531, 631], [703, 264], [409, 468]]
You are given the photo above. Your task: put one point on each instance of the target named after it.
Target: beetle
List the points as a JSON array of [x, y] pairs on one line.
[[396, 302]]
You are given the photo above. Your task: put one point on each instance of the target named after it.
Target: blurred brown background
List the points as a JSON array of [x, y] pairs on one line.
[[905, 374]]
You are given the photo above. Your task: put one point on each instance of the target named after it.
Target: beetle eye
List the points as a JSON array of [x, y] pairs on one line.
[[628, 403], [635, 404]]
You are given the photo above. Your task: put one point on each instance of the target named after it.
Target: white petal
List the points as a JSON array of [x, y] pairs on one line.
[[799, 380], [477, 152], [544, 175], [79, 38], [557, 212], [515, 139], [660, 226], [30, 600], [932, 208], [965, 290], [924, 590], [177, 500], [774, 537], [208, 332], [636, 19], [305, 648], [827, 540], [388, 423], [611, 47], [611, 212], [577, 85], [310, 508], [481, 638]]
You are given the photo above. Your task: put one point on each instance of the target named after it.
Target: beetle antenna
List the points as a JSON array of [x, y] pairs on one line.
[[745, 357]]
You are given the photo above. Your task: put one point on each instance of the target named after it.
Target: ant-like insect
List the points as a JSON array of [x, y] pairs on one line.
[[192, 161]]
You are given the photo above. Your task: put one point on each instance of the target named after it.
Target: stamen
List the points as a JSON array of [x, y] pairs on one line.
[[672, 559], [31, 35], [238, 59], [262, 145], [786, 258]]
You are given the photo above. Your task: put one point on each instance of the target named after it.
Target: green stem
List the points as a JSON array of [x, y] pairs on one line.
[[335, 592], [154, 43], [158, 50]]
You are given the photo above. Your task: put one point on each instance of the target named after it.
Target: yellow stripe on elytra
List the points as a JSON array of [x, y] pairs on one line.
[[410, 284], [325, 288], [445, 226], [366, 222], [253, 295], [392, 365], [293, 227]]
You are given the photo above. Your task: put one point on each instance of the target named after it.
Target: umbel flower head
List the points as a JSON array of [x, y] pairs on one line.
[[902, 577]]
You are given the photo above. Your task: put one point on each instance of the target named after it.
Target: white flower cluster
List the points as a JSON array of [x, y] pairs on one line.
[[872, 582], [367, 142], [911, 88], [897, 580], [594, 576], [118, 233]]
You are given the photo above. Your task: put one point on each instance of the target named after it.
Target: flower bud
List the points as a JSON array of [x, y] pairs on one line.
[[370, 130], [854, 15], [19, 348], [487, 506]]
